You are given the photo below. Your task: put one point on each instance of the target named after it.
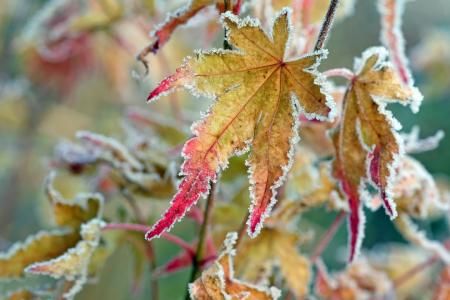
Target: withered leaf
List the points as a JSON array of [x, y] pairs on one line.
[[359, 281], [367, 145], [218, 282], [48, 245], [258, 99], [274, 247], [73, 265]]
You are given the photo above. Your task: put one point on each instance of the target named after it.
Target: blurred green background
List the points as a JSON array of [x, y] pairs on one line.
[[37, 110]]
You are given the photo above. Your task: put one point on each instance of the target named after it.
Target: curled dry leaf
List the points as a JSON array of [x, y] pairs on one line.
[[274, 247], [73, 264], [48, 245], [367, 144], [218, 282], [162, 33], [359, 281], [258, 99]]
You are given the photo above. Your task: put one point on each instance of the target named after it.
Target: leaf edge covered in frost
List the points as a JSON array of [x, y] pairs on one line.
[[172, 83]]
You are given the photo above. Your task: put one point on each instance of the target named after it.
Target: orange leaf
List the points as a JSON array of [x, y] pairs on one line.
[[258, 99]]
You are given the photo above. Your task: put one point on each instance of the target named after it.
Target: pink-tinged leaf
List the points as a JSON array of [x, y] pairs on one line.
[[180, 261], [164, 31], [255, 106], [392, 37], [367, 146]]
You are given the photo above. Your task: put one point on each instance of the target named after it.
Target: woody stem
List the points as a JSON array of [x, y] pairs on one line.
[[197, 261], [326, 25], [328, 236]]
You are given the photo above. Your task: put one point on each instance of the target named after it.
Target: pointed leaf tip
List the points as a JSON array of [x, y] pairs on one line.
[[240, 81]]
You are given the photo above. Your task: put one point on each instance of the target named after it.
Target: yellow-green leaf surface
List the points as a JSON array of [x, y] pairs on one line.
[[259, 96]]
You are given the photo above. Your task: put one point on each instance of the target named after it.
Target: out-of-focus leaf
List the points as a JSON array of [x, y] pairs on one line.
[[73, 264], [274, 247], [359, 281], [255, 102], [392, 37], [48, 245], [395, 259], [39, 247], [218, 282], [367, 145]]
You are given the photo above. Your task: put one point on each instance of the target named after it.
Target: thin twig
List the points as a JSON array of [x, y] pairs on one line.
[[418, 268], [326, 25], [343, 72], [328, 236], [415, 270], [149, 247], [132, 202], [242, 231], [204, 231]]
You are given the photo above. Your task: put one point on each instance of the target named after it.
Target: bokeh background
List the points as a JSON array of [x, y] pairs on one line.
[[45, 100]]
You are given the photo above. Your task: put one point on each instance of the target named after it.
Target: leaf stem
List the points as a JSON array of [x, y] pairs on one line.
[[326, 25], [145, 228], [343, 72], [415, 270], [150, 252], [418, 268], [241, 232], [328, 236], [204, 231]]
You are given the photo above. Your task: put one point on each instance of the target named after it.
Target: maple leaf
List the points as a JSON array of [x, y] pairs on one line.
[[258, 99], [366, 143], [218, 282]]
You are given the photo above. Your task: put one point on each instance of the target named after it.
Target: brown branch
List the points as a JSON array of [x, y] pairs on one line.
[[328, 236], [326, 25]]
